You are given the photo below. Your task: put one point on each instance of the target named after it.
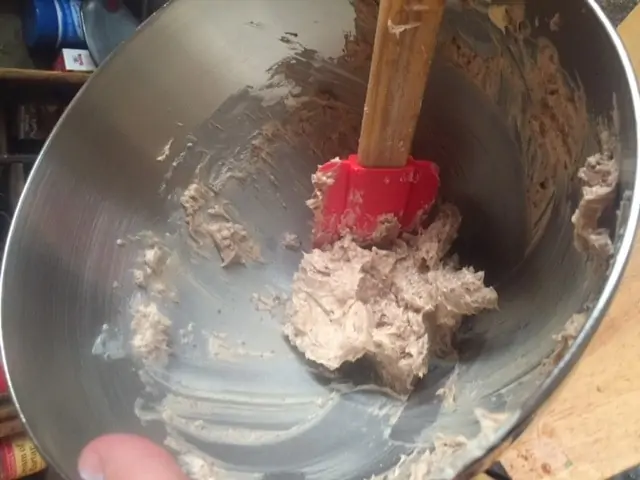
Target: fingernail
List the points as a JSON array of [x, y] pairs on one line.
[[90, 467], [90, 476]]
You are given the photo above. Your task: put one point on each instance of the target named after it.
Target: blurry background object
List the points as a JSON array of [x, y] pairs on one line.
[[107, 23], [53, 24]]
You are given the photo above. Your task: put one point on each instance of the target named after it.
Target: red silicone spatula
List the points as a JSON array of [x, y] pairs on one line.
[[382, 184]]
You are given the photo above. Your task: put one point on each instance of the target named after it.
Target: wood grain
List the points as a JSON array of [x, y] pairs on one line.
[[403, 50], [591, 429], [50, 76]]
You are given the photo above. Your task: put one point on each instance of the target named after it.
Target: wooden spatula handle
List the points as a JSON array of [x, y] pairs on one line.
[[402, 54]]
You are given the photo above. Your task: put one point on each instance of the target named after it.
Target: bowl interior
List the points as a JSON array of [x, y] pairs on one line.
[[251, 96]]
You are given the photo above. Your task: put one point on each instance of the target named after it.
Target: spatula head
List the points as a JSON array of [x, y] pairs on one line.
[[369, 203]]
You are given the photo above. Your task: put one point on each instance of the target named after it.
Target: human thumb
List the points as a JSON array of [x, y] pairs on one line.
[[127, 457]]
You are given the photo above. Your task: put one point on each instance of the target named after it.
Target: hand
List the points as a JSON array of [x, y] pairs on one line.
[[127, 457]]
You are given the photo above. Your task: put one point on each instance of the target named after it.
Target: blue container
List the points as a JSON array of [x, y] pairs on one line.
[[53, 24]]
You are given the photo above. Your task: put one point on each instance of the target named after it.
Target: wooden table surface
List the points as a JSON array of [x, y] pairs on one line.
[[591, 429]]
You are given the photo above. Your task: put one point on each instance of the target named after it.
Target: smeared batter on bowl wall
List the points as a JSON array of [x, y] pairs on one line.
[[208, 222], [600, 180]]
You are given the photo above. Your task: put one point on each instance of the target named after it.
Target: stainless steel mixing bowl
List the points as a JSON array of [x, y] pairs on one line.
[[98, 180]]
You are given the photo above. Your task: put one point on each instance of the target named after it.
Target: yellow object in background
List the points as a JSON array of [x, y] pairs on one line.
[[631, 37], [19, 458]]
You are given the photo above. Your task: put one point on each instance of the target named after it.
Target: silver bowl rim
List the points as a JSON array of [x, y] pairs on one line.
[[549, 386]]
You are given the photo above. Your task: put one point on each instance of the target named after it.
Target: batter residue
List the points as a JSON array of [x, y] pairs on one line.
[[208, 222], [600, 179], [395, 307], [151, 334], [291, 241]]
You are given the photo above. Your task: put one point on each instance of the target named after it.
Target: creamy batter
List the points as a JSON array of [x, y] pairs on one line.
[[291, 241], [396, 307], [566, 337], [150, 275], [208, 222], [151, 334], [600, 179]]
